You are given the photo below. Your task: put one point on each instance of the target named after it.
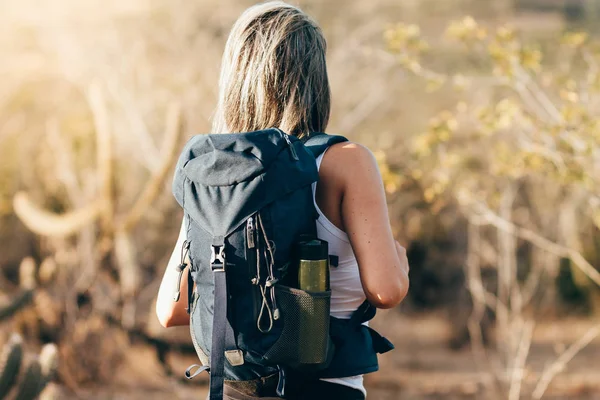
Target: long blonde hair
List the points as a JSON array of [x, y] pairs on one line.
[[273, 73]]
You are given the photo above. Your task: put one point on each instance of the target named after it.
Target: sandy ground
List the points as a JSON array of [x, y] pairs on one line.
[[421, 368]]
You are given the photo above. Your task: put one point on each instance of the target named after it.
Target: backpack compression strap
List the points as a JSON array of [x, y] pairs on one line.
[[318, 142], [364, 313], [223, 340]]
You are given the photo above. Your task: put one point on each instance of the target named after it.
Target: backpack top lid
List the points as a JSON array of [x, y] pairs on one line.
[[222, 179]]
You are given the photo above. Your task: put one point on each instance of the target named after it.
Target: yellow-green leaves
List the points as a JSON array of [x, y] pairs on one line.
[[467, 31], [574, 39], [441, 129], [391, 179], [524, 111], [531, 58], [401, 38], [443, 126]]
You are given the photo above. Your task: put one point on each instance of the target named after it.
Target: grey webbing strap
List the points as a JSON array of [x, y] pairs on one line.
[[222, 334], [217, 356], [190, 290]]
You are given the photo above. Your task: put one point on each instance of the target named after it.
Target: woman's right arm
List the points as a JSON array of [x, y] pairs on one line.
[[381, 260]]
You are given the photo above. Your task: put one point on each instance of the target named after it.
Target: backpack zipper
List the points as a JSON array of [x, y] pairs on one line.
[[291, 147], [250, 233], [253, 263]]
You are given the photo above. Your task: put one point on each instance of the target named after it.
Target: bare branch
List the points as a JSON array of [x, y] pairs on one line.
[[480, 301], [539, 241], [104, 153], [560, 363], [520, 359]]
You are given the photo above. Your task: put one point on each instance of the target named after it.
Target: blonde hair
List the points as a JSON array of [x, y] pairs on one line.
[[273, 73]]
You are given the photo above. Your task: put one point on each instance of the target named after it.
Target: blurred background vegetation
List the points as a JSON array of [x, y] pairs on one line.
[[482, 114]]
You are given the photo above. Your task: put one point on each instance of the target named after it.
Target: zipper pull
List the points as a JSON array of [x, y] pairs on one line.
[[291, 147], [250, 233], [180, 268]]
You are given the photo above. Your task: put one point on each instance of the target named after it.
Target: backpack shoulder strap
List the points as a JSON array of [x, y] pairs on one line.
[[318, 142]]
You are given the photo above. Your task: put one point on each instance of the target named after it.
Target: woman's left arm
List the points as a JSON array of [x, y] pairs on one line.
[[170, 312]]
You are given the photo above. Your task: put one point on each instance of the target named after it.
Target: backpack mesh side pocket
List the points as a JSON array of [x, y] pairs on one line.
[[304, 342]]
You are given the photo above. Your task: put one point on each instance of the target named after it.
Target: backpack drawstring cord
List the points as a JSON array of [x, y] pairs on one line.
[[270, 282], [264, 305]]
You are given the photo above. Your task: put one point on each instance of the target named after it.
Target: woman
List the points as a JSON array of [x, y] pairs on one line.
[[273, 74]]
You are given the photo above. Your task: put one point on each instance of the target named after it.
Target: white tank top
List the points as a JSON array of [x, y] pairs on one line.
[[347, 293]]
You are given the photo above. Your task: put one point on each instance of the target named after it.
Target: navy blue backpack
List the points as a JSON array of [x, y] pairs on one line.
[[247, 202]]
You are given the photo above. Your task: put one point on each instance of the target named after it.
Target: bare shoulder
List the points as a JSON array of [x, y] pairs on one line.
[[349, 159], [350, 150]]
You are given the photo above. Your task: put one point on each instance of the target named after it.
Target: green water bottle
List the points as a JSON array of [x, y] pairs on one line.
[[313, 269]]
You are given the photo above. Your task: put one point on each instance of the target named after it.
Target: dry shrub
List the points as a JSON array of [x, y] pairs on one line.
[[517, 155], [92, 351]]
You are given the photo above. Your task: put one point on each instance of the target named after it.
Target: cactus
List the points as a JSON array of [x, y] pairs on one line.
[[127, 262], [103, 153], [47, 271], [28, 283], [49, 361], [39, 372], [114, 225], [18, 302], [10, 363], [52, 392], [27, 274], [46, 223], [31, 381], [153, 187]]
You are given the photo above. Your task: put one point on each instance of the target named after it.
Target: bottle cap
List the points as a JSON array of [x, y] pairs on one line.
[[315, 249]]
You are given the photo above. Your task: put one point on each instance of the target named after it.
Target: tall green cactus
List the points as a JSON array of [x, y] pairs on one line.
[[10, 363], [30, 382], [39, 371]]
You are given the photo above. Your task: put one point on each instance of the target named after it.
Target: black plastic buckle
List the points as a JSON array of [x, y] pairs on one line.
[[217, 258]]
